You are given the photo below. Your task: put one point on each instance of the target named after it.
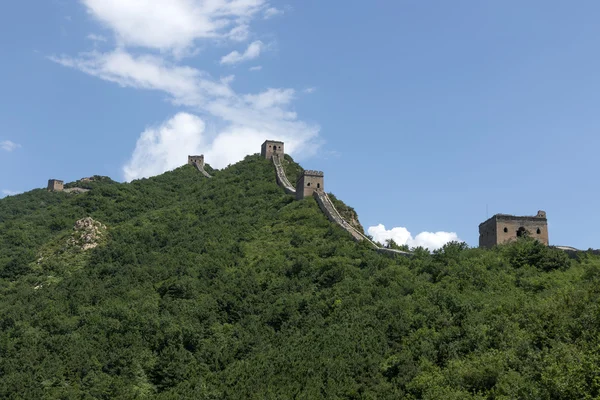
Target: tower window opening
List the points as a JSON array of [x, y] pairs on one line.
[[539, 231], [308, 184], [521, 232], [319, 185], [505, 229]]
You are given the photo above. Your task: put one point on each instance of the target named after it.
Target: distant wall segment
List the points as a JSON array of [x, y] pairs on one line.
[[312, 183], [198, 162]]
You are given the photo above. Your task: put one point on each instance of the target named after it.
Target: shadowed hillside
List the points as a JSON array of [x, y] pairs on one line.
[[181, 286]]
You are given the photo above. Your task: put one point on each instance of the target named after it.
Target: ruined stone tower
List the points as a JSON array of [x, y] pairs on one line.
[[196, 159], [270, 147], [502, 228], [55, 185], [308, 182]]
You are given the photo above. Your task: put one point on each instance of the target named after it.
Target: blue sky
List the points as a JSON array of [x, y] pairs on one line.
[[423, 115]]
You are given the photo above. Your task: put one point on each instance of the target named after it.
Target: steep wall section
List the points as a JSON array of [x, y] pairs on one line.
[[282, 180], [201, 169], [333, 215]]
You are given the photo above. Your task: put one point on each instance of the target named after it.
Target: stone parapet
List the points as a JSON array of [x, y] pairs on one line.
[[310, 172], [282, 179], [201, 169]]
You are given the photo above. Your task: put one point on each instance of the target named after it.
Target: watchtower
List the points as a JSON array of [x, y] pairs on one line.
[[196, 159], [55, 185], [270, 147], [308, 182], [502, 228]]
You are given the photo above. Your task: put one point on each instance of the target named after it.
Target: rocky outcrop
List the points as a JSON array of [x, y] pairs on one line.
[[88, 234], [76, 190]]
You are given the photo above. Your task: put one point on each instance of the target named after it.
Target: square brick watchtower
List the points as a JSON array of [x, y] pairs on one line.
[[196, 159], [503, 228], [270, 147], [55, 185], [309, 182]]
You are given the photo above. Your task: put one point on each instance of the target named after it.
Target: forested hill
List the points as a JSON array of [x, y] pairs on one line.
[[183, 287]]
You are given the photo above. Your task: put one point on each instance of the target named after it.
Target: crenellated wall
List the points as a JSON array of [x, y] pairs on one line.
[[198, 162], [282, 179], [312, 183], [326, 205], [202, 170]]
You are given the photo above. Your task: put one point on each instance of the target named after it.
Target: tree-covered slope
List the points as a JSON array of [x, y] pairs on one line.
[[229, 288]]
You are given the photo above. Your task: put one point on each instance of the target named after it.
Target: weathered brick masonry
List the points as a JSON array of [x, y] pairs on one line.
[[502, 228]]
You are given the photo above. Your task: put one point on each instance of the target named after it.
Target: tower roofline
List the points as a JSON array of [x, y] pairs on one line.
[[541, 216]]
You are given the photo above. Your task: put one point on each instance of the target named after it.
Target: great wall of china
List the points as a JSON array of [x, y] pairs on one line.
[[310, 183], [198, 162], [501, 228], [274, 150]]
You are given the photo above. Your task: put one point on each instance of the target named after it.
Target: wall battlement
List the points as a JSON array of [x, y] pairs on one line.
[[311, 172]]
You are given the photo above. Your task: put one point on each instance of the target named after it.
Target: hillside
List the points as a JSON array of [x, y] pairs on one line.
[[181, 286]]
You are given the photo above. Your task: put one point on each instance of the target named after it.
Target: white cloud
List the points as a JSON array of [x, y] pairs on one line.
[[272, 12], [232, 124], [174, 25], [96, 38], [402, 236], [255, 68], [310, 90], [9, 146], [241, 121], [167, 146], [163, 148], [253, 51]]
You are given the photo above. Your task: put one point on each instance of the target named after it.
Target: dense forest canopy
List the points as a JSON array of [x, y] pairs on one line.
[[229, 288]]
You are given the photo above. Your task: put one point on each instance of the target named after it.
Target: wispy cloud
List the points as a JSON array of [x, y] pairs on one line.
[[255, 68], [96, 38], [7, 145], [272, 12], [401, 235], [309, 90], [253, 51]]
